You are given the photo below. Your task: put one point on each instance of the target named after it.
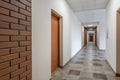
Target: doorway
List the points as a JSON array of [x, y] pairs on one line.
[[91, 37], [56, 41]]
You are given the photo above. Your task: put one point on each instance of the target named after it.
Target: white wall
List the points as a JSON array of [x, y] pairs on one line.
[[41, 39], [82, 36], [95, 17], [98, 42], [76, 38], [111, 26]]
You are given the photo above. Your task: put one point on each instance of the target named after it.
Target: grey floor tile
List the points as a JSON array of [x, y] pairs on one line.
[[88, 64], [74, 72], [100, 76]]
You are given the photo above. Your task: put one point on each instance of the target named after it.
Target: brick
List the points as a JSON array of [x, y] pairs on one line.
[[25, 43], [27, 33], [18, 38], [28, 28], [8, 44], [17, 26], [17, 72], [28, 18], [29, 67], [4, 11], [18, 49], [24, 74], [4, 24], [26, 2], [29, 48], [18, 4], [18, 15], [29, 38], [4, 38], [15, 78], [25, 63], [8, 19], [8, 70], [29, 77], [23, 78], [15, 40], [28, 8], [25, 12], [29, 57], [8, 5], [24, 54], [4, 52], [8, 32], [7, 0], [29, 0], [25, 22], [17, 61], [4, 65], [8, 57], [6, 77]]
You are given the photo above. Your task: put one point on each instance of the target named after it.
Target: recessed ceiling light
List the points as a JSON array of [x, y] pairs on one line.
[[90, 25]]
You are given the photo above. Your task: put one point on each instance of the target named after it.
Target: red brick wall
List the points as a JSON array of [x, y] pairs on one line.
[[15, 40]]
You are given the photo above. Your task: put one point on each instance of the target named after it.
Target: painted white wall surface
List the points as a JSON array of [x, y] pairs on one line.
[[82, 36], [112, 7], [76, 42], [98, 42], [41, 35], [95, 17]]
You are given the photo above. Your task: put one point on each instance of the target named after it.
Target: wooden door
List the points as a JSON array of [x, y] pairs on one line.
[[96, 36], [90, 38], [55, 43], [85, 36]]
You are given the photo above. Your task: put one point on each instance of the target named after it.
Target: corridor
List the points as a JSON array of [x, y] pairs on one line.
[[88, 64]]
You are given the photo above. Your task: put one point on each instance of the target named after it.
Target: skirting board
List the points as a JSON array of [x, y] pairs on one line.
[[117, 74], [71, 59]]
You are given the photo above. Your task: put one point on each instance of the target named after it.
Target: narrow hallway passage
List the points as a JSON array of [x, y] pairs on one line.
[[88, 64]]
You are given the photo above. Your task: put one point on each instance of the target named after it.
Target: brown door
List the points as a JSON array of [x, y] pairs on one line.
[[91, 38], [85, 36], [96, 36], [55, 43]]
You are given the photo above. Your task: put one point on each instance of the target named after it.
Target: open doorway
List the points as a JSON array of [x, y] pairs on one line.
[[56, 41], [90, 35]]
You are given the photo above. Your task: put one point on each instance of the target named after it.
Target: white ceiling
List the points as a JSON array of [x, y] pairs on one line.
[[83, 5], [94, 17]]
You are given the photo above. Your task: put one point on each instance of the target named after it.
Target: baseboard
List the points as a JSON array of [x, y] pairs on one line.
[[117, 74], [102, 50], [71, 58], [110, 66], [66, 63]]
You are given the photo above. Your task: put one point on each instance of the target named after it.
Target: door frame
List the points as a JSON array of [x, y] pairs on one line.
[[96, 39], [118, 43], [85, 36], [60, 37]]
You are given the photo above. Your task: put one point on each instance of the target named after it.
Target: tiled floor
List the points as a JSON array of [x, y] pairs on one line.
[[88, 64]]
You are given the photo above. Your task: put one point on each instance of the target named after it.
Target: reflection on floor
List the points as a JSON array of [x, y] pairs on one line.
[[88, 64]]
